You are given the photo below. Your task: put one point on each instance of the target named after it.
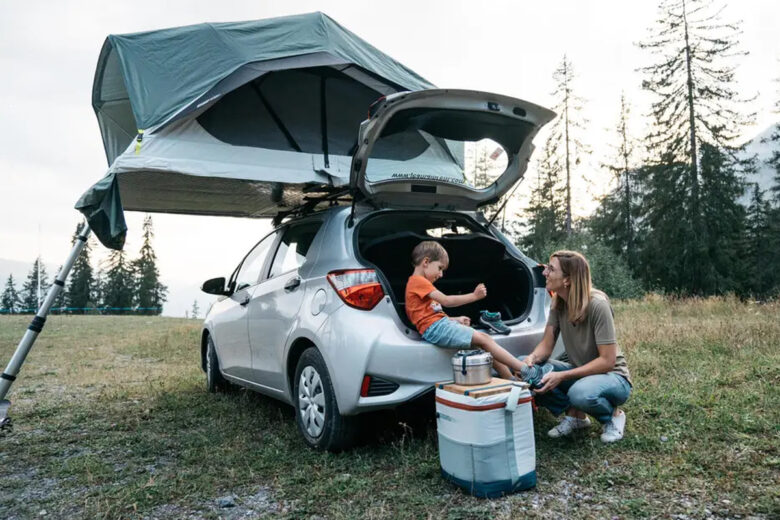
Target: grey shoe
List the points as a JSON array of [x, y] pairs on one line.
[[533, 375], [567, 426]]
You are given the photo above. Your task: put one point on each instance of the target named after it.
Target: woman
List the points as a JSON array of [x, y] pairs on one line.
[[595, 380]]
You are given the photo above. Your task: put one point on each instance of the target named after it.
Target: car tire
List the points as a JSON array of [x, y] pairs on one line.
[[316, 412], [214, 380]]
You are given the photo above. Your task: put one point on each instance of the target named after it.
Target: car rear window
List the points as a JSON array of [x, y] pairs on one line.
[[454, 146]]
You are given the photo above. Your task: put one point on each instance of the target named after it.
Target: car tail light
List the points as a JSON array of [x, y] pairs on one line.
[[358, 288]]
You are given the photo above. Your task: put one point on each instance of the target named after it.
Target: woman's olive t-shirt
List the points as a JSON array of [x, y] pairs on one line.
[[582, 339]]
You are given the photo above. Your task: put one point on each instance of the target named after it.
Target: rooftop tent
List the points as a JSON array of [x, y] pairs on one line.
[[236, 119]]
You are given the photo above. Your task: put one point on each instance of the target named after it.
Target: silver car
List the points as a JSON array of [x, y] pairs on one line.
[[314, 313]]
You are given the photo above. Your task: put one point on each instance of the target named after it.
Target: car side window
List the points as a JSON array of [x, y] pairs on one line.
[[249, 273], [294, 246]]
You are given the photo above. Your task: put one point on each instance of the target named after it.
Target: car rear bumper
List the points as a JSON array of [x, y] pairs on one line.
[[357, 343]]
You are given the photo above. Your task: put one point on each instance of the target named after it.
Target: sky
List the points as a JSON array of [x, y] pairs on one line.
[[51, 150]]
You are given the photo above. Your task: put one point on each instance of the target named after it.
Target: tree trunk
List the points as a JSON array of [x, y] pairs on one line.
[[627, 185], [696, 218], [566, 138]]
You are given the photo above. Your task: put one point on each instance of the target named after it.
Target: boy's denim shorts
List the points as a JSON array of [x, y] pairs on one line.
[[447, 333]]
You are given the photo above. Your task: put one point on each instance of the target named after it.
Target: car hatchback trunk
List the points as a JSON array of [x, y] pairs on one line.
[[386, 241]]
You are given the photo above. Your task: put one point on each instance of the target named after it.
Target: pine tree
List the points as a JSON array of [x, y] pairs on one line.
[[696, 104], [723, 222], [99, 289], [615, 220], [195, 312], [30, 292], [481, 177], [761, 269], [150, 293], [664, 214], [59, 304], [118, 293], [774, 158], [81, 284], [566, 131], [9, 301], [774, 202], [485, 161], [545, 215]]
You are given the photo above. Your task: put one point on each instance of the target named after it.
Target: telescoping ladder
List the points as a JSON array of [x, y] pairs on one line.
[[8, 375]]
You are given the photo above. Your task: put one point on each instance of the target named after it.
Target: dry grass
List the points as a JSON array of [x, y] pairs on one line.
[[112, 421]]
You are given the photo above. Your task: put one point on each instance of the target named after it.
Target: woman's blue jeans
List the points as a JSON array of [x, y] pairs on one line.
[[597, 395]]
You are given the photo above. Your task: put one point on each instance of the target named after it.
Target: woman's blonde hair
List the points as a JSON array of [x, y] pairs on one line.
[[575, 267]]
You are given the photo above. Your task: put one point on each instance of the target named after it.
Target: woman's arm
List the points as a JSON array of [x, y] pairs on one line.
[[601, 365], [459, 299], [544, 349]]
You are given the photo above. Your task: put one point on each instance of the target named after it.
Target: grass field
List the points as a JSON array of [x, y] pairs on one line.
[[112, 420]]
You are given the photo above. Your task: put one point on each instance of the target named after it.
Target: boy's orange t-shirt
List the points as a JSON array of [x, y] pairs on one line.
[[422, 310]]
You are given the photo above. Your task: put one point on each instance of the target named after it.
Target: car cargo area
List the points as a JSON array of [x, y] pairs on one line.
[[386, 241]]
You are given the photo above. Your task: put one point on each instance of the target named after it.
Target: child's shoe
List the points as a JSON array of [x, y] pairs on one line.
[[533, 375], [492, 320]]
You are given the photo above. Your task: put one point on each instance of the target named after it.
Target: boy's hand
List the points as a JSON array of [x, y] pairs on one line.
[[480, 291], [463, 320]]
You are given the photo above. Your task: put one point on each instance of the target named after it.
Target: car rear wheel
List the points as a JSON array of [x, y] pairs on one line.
[[316, 411], [214, 380]]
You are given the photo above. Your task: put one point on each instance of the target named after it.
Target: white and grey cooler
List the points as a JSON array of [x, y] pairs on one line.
[[486, 436]]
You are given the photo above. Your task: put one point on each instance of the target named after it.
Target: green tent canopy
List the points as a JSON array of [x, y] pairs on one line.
[[238, 119]]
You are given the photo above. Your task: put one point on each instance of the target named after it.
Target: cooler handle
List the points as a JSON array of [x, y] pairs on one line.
[[514, 396]]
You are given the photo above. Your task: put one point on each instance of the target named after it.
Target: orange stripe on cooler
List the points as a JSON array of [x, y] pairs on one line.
[[480, 408]]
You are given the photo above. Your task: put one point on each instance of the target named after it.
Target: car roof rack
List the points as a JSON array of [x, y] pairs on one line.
[[334, 197]]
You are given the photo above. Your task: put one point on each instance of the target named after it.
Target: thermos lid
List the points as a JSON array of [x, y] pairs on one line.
[[472, 357]]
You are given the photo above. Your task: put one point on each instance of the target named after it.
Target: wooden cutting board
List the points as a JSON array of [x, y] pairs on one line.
[[495, 386]]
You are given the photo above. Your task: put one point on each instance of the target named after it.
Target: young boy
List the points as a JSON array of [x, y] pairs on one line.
[[424, 308]]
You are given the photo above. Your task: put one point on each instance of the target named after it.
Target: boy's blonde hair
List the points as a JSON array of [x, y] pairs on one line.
[[434, 251]]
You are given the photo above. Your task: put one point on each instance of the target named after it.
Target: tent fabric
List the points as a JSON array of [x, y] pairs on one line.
[[146, 79], [242, 119], [102, 206]]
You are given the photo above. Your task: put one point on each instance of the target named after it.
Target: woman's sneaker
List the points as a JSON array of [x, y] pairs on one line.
[[613, 430], [567, 426]]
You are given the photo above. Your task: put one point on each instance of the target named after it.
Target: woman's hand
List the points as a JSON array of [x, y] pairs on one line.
[[550, 381], [463, 320], [480, 291], [530, 360]]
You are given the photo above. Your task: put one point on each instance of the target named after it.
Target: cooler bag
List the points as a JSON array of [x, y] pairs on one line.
[[486, 437]]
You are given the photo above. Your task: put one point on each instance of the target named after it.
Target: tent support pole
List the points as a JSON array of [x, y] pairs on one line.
[[9, 374]]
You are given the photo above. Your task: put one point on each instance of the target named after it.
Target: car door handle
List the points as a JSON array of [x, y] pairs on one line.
[[245, 301], [292, 284]]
